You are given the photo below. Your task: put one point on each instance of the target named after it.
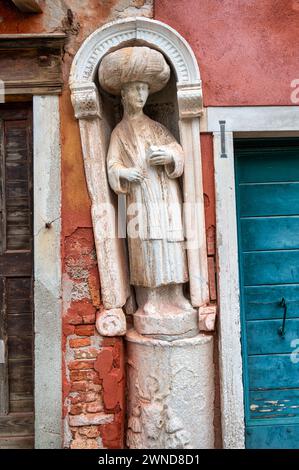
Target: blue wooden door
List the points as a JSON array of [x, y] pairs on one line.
[[267, 192]]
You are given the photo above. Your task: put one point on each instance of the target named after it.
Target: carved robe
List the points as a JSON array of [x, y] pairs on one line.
[[157, 254]]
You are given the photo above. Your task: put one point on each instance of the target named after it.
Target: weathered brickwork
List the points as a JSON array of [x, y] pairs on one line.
[[94, 369]]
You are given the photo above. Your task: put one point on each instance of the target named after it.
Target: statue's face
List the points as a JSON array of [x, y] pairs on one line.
[[134, 95]]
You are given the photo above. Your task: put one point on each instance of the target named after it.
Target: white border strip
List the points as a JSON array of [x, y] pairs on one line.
[[230, 359], [252, 119], [47, 272]]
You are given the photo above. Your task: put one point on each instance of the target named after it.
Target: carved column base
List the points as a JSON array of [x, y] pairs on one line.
[[169, 325], [171, 392]]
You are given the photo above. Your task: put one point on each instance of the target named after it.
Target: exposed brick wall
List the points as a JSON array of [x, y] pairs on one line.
[[94, 367]]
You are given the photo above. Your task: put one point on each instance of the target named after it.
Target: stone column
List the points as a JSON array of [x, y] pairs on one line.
[[170, 392]]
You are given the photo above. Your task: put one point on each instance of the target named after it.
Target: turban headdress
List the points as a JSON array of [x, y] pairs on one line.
[[133, 64]]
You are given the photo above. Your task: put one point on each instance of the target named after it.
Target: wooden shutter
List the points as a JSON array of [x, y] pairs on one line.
[[16, 266]]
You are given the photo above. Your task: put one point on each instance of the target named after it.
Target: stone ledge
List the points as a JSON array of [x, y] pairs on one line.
[[176, 323], [133, 337], [90, 419]]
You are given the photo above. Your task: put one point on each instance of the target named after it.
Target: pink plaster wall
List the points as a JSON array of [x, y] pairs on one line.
[[247, 50]]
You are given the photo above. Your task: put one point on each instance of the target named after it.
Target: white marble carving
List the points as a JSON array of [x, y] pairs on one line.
[[86, 101], [111, 257], [144, 162], [143, 31], [111, 322], [171, 393], [171, 375], [161, 37], [207, 317]]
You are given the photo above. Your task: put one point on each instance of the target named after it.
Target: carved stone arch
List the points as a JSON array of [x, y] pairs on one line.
[[89, 110], [144, 31]]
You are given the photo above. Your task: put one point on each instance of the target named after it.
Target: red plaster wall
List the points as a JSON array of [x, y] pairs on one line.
[[247, 50], [209, 201]]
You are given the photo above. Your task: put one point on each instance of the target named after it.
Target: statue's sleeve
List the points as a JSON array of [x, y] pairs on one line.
[[175, 169], [115, 164]]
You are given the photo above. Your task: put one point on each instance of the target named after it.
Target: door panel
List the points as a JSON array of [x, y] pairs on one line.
[[272, 371], [270, 233], [269, 199], [273, 437], [267, 404], [271, 167], [267, 189], [275, 267], [263, 302], [16, 266], [268, 330], [16, 424]]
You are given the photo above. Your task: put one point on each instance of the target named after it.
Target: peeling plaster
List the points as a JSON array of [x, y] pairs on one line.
[[126, 8]]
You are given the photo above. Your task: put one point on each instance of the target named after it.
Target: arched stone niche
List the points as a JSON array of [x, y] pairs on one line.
[[162, 413], [97, 115]]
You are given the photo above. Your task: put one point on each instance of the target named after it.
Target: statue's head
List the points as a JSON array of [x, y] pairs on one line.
[[134, 95], [133, 73]]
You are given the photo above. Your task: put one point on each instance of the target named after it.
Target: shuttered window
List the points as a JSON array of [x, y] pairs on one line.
[[16, 266]]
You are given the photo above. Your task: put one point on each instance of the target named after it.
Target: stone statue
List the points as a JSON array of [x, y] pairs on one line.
[[144, 162], [170, 399]]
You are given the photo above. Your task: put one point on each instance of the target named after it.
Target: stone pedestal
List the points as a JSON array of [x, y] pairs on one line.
[[171, 392], [170, 325]]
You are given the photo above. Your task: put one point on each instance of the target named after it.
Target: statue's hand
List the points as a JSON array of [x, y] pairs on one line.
[[131, 174], [160, 157]]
